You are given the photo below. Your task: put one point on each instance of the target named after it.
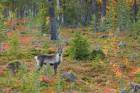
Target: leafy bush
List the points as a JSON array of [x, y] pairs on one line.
[[105, 25], [97, 54], [2, 36], [135, 31], [137, 77], [14, 44], [2, 30], [24, 55], [34, 51], [123, 16], [79, 49]]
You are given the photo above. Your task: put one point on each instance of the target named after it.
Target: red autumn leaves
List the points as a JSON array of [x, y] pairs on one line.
[[47, 79], [2, 71], [23, 40], [18, 23]]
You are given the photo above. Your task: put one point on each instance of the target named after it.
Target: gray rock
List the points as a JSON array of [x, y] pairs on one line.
[[133, 57], [122, 44], [69, 76], [123, 91]]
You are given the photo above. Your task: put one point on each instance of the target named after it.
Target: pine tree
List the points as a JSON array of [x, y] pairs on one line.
[[123, 15]]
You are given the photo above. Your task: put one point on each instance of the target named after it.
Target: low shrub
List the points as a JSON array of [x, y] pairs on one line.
[[24, 55], [135, 31], [79, 48], [35, 52], [14, 44]]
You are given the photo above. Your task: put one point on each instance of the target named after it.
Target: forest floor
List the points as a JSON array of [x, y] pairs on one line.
[[112, 74]]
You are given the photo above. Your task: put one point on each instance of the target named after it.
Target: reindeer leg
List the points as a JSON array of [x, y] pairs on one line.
[[40, 65], [13, 71], [55, 68]]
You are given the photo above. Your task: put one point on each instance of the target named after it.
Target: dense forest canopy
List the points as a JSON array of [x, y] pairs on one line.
[[77, 10], [99, 15]]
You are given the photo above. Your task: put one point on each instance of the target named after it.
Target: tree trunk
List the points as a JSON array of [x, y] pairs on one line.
[[59, 16], [134, 11], [85, 9], [103, 10], [53, 22], [53, 28], [95, 10], [6, 12]]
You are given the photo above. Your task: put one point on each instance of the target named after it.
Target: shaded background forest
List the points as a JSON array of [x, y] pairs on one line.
[[99, 15]]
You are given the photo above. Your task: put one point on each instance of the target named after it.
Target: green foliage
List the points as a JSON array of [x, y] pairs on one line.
[[14, 45], [45, 47], [79, 49], [123, 15], [2, 36], [2, 27], [93, 23], [105, 25], [24, 55], [97, 54], [42, 17], [135, 31], [34, 51], [138, 77], [71, 11], [96, 64], [29, 82], [107, 22], [60, 85], [24, 81]]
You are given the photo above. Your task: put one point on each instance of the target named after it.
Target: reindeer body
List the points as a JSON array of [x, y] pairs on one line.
[[53, 60]]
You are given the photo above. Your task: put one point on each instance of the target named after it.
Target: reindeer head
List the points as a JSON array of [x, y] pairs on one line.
[[60, 51]]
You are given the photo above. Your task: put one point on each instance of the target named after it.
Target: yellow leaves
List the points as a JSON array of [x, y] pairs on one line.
[[126, 60], [130, 2], [47, 20], [99, 2], [111, 40], [136, 70], [1, 6], [17, 83], [117, 71], [101, 62], [118, 74], [51, 50], [114, 2], [114, 39], [105, 50], [49, 90], [110, 33], [111, 45]]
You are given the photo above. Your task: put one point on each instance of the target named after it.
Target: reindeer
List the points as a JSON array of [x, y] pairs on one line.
[[54, 60]]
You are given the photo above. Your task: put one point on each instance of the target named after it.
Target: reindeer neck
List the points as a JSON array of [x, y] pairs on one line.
[[58, 58]]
